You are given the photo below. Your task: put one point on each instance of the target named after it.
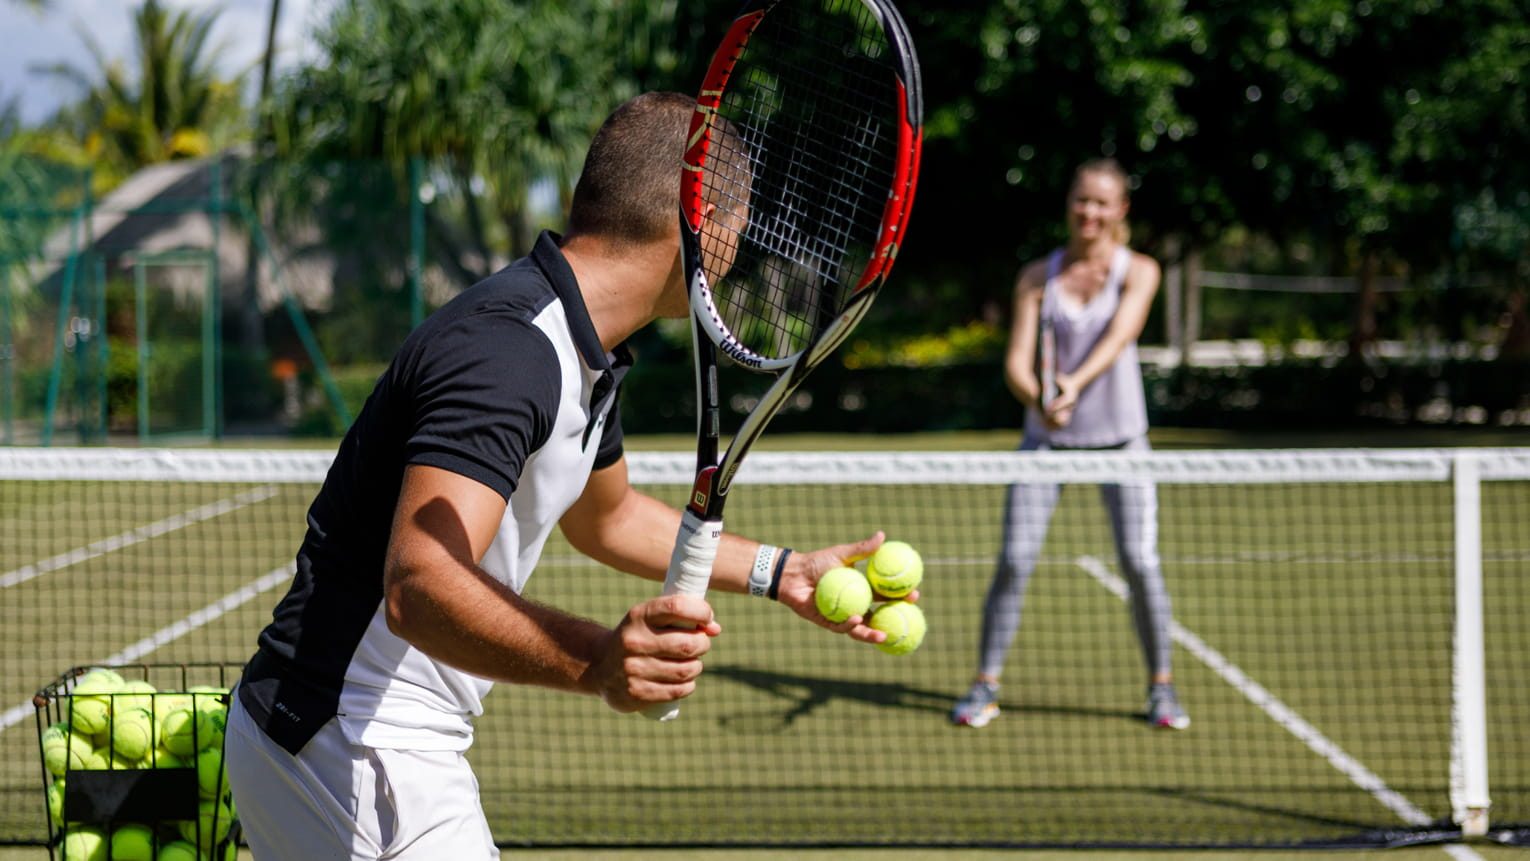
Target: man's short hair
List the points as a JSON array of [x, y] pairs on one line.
[[629, 190]]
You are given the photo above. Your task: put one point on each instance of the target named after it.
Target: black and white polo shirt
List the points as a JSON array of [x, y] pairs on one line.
[[507, 384]]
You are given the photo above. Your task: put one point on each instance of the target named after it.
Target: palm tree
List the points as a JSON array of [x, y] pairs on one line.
[[174, 105]]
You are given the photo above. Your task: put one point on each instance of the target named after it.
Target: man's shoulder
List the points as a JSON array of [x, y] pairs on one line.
[[521, 288]]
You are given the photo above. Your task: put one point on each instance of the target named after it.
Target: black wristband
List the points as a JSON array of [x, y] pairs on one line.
[[775, 577]]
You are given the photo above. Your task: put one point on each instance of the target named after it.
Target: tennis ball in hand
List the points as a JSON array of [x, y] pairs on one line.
[[183, 731], [132, 734], [895, 569], [132, 843], [904, 625], [842, 593]]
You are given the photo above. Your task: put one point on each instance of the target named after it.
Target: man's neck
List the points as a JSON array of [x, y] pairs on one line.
[[623, 285]]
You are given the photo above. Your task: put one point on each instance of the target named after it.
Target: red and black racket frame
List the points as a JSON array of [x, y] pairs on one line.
[[714, 477]]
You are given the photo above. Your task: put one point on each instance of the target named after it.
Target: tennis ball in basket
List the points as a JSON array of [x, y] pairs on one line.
[[183, 731], [178, 850], [213, 819], [65, 751], [895, 569], [842, 593], [132, 843], [904, 625], [107, 678], [161, 758], [89, 714], [56, 802], [133, 734], [115, 761], [137, 694], [167, 703], [211, 780], [83, 844]]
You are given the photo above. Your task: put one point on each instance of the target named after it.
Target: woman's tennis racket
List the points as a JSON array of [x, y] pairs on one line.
[[1048, 362], [797, 182]]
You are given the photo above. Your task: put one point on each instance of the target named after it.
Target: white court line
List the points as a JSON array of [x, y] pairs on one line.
[[170, 633], [135, 536], [1281, 713]]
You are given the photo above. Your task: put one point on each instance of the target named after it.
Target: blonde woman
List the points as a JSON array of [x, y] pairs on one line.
[[1092, 298]]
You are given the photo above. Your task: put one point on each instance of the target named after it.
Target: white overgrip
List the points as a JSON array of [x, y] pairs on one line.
[[690, 563], [690, 570]]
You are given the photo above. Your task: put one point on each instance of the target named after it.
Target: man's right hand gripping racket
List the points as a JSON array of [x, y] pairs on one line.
[[798, 178]]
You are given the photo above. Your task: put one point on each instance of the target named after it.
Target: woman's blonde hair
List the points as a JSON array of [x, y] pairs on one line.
[[1111, 168]]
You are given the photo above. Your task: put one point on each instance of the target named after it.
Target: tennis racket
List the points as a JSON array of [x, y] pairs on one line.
[[797, 180], [1048, 363]]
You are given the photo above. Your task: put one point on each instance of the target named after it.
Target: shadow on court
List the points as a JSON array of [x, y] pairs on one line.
[[802, 695]]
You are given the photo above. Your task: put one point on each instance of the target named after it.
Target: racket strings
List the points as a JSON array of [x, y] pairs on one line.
[[813, 99]]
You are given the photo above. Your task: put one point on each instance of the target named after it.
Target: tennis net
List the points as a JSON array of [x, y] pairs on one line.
[[1347, 636]]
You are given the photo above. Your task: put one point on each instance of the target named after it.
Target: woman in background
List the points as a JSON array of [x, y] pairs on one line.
[[1091, 298]]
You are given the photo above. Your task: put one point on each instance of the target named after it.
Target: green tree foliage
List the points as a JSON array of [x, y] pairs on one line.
[[1379, 133], [170, 103], [493, 103], [498, 96]]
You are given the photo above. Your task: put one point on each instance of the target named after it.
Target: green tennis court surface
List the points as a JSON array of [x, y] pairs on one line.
[[1313, 650]]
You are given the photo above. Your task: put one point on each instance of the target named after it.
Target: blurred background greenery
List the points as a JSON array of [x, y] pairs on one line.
[[1337, 191]]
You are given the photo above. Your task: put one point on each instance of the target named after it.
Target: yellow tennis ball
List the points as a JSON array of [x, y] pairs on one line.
[[211, 780], [83, 844], [842, 593], [89, 714], [56, 802], [115, 761], [132, 843], [64, 750], [108, 678], [178, 850], [103, 759], [895, 569], [167, 703], [904, 625], [183, 731], [160, 758], [132, 734], [211, 825], [137, 694], [209, 696]]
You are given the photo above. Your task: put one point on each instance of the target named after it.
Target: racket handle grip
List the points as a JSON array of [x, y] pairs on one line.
[[1048, 366], [690, 570]]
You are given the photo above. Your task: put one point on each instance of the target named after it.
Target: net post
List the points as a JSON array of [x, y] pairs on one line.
[[1469, 800]]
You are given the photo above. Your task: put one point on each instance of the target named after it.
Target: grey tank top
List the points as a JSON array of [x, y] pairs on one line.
[[1112, 410]]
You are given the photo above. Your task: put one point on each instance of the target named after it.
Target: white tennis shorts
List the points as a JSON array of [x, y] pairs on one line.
[[337, 800]]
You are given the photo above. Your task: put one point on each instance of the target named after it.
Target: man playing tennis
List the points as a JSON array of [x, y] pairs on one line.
[[495, 422]]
